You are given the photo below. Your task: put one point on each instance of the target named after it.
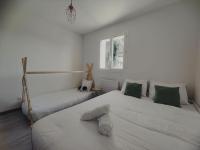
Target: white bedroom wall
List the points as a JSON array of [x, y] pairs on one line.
[[160, 45], [47, 44], [197, 79]]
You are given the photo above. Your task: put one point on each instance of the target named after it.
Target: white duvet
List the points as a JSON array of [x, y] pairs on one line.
[[50, 103], [137, 125]]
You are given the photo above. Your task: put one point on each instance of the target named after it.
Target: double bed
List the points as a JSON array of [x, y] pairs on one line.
[[138, 124], [44, 105], [188, 107]]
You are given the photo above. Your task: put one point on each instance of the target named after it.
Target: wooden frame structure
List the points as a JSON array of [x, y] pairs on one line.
[[25, 90]]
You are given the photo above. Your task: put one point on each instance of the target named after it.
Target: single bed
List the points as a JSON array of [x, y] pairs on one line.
[[44, 105], [50, 103], [138, 124]]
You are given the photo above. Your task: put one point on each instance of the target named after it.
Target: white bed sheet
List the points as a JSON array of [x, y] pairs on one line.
[[188, 107], [138, 125], [52, 102]]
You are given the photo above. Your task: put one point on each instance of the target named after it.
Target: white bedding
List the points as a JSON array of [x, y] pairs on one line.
[[188, 107], [137, 125], [47, 104]]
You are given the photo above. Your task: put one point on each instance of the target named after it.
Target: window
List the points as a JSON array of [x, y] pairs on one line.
[[112, 53]]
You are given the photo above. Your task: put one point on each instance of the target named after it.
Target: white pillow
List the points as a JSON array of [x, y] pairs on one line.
[[86, 83], [182, 90], [143, 82]]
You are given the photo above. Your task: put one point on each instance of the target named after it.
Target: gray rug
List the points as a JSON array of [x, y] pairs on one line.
[[15, 134]]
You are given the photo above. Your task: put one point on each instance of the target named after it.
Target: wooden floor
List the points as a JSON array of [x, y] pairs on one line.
[[15, 134]]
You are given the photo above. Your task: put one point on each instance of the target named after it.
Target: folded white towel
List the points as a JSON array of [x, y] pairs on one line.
[[105, 125], [96, 113]]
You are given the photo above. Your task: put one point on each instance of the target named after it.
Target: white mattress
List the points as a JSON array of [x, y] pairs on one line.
[[138, 125], [47, 104]]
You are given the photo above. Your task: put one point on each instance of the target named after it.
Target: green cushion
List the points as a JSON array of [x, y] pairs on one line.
[[133, 89], [167, 95]]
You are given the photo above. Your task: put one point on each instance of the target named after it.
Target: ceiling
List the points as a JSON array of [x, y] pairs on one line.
[[91, 14], [95, 14]]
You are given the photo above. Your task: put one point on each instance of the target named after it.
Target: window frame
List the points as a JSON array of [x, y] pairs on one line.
[[111, 46]]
